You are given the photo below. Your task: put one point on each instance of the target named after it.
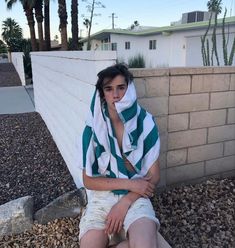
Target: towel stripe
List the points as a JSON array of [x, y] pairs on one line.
[[86, 140], [129, 113]]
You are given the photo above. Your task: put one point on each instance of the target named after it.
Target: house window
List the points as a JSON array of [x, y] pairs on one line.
[[127, 45], [114, 46], [152, 44]]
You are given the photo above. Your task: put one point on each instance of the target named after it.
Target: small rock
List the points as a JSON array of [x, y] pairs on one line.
[[67, 205], [16, 216]]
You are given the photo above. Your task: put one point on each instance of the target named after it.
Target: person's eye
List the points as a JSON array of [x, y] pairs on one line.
[[107, 89], [122, 87]]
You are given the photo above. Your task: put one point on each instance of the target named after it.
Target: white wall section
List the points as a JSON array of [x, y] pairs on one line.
[[18, 62], [64, 83]]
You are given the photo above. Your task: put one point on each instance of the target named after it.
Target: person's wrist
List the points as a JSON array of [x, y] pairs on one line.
[[126, 201]]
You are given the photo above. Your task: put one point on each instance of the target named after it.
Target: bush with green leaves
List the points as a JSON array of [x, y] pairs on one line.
[[3, 47], [136, 61]]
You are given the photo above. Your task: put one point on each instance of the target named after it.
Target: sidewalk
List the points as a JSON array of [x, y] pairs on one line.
[[17, 99]]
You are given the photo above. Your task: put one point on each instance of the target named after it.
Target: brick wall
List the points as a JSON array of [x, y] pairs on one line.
[[195, 112]]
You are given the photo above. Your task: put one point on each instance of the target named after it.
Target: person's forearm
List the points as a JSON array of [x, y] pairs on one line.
[[106, 184], [130, 198]]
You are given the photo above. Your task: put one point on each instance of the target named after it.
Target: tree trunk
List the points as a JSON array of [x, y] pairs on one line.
[[64, 40], [30, 19], [47, 25], [63, 23], [40, 36], [39, 18], [74, 22]]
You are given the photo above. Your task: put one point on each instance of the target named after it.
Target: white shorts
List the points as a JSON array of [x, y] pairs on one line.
[[99, 205]]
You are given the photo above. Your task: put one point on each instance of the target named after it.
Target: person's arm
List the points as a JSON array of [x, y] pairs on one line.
[[118, 212], [142, 186]]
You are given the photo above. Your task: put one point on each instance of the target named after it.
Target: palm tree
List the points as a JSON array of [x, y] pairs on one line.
[[47, 25], [63, 23], [38, 4], [74, 22], [12, 34], [28, 9]]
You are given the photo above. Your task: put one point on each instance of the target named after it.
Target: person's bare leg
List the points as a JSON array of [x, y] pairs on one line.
[[94, 239], [143, 233], [123, 244]]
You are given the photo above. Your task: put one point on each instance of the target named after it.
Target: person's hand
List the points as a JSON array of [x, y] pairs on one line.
[[142, 186], [116, 216]]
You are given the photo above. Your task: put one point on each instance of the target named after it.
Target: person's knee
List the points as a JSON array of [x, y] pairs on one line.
[[143, 233], [142, 243], [94, 239]]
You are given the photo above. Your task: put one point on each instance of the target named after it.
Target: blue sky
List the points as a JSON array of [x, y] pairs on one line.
[[148, 13]]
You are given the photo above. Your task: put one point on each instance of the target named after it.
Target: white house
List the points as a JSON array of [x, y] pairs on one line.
[[176, 45]]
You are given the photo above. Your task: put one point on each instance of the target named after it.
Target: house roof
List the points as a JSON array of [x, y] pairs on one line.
[[166, 29]]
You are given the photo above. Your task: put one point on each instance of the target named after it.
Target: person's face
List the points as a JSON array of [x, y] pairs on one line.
[[114, 91]]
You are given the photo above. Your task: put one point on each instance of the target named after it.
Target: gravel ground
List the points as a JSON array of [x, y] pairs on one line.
[[200, 215], [8, 75], [30, 163]]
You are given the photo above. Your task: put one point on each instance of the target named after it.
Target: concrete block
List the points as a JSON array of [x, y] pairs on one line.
[[188, 103], [229, 148], [157, 86], [231, 115], [222, 100], [184, 173], [207, 118], [140, 87], [155, 105], [164, 142], [178, 122], [162, 124], [191, 70], [16, 216], [145, 72], [210, 83], [176, 157], [162, 160], [222, 133], [232, 82], [228, 174], [68, 205], [180, 85], [186, 138], [220, 165], [162, 182], [205, 152]]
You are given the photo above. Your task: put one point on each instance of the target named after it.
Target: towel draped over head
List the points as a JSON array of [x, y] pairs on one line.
[[101, 154]]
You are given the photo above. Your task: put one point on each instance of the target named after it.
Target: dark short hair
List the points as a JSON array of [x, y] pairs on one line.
[[110, 73]]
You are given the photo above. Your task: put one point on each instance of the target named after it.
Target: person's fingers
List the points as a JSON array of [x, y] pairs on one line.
[[111, 227], [108, 223], [116, 226], [120, 226]]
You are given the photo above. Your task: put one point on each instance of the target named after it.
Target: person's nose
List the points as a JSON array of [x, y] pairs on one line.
[[115, 93]]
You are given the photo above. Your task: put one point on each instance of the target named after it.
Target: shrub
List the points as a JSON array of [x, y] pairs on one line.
[[136, 61]]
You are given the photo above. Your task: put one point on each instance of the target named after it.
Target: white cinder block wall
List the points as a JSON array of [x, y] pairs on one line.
[[18, 62], [64, 83]]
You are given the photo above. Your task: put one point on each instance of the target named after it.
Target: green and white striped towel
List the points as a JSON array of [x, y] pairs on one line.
[[101, 154]]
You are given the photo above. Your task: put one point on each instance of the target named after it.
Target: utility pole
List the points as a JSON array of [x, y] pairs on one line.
[[113, 16]]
